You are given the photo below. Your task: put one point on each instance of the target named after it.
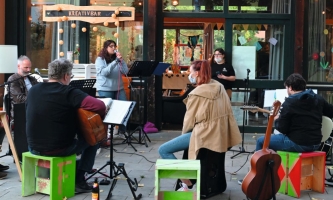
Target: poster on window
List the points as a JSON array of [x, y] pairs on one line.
[[244, 58]]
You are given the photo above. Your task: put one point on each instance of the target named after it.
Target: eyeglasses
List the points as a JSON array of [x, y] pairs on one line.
[[217, 54], [112, 46], [72, 76]]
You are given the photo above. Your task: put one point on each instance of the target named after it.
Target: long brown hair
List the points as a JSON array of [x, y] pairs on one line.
[[212, 60], [103, 53], [203, 67]]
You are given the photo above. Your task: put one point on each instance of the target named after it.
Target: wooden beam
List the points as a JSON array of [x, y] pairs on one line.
[[299, 34]]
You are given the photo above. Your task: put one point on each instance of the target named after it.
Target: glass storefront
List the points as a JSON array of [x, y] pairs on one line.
[[260, 6], [259, 48], [51, 40]]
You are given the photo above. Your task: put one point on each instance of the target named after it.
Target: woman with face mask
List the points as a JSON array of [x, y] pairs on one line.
[[222, 71], [208, 122]]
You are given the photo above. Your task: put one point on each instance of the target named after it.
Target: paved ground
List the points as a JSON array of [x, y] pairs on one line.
[[140, 165]]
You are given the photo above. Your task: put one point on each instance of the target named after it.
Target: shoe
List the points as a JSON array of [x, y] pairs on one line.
[[119, 135], [3, 167], [240, 182], [2, 175], [82, 187], [183, 187]]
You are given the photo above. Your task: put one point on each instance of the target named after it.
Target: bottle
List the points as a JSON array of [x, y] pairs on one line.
[[95, 190]]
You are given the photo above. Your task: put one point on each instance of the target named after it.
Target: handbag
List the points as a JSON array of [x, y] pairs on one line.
[[91, 126]]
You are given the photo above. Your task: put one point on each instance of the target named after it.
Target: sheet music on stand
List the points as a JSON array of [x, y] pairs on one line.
[[119, 112]]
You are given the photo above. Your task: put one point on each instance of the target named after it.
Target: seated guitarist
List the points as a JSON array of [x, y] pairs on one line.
[[51, 110], [299, 120]]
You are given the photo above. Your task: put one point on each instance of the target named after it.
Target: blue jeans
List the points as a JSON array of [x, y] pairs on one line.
[[179, 143], [280, 142], [79, 146], [119, 95]]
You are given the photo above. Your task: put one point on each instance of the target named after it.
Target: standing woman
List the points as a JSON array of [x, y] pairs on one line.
[[222, 71], [109, 69]]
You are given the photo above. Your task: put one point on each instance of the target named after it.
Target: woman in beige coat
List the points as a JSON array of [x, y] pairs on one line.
[[209, 121]]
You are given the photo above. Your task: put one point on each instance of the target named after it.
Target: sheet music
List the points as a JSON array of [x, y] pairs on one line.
[[119, 112], [107, 102]]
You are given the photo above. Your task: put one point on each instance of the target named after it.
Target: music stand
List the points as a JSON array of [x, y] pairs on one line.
[[123, 110], [241, 148], [141, 69], [86, 85]]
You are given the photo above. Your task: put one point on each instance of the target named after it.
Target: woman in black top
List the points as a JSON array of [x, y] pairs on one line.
[[222, 71]]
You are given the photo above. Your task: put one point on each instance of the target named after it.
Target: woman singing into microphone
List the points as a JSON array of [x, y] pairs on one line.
[[109, 69]]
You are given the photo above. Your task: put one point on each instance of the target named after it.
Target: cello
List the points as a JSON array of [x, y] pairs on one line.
[[262, 182]]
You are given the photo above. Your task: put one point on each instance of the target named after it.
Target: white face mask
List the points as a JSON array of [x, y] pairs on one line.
[[192, 80], [218, 60]]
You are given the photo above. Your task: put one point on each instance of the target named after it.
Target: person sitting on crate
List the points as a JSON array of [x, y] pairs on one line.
[[209, 121], [51, 113]]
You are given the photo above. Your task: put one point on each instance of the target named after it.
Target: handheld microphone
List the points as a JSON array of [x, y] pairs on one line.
[[37, 71], [248, 70]]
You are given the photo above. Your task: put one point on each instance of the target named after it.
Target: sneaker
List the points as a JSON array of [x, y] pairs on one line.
[[82, 187], [3, 167], [183, 187], [2, 175], [240, 182], [119, 135]]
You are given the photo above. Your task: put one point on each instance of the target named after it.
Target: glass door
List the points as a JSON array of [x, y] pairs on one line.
[[260, 54]]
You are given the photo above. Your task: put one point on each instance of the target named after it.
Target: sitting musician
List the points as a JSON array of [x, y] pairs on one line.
[[51, 113], [299, 120], [209, 121]]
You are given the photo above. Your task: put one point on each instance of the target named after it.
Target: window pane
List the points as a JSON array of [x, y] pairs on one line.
[[320, 42], [40, 46], [129, 44], [185, 48], [260, 6], [193, 5], [259, 48]]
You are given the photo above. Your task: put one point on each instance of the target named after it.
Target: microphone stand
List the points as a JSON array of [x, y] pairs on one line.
[[241, 148]]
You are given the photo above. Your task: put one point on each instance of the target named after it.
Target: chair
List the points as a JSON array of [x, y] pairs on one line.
[[173, 169], [213, 181], [49, 175], [304, 171]]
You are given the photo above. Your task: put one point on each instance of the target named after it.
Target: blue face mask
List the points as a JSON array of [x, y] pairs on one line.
[[192, 80]]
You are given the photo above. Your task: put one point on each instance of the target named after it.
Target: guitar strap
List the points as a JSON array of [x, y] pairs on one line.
[[270, 164]]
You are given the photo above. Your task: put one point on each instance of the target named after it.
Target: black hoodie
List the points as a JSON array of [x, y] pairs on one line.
[[301, 116]]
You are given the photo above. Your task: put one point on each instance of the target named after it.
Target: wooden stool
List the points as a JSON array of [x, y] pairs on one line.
[[49, 175], [301, 171], [174, 169]]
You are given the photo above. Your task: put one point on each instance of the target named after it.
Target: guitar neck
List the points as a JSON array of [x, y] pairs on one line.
[[277, 105], [264, 110]]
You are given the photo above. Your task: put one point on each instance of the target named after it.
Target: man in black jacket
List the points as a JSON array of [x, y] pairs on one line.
[[21, 82], [299, 120]]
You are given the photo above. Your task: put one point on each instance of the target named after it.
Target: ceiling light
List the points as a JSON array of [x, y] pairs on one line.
[[175, 2]]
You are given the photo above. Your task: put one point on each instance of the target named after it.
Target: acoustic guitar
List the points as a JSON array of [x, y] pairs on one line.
[[91, 126], [255, 109], [262, 182]]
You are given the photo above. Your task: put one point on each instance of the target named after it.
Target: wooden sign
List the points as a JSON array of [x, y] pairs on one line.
[[91, 14]]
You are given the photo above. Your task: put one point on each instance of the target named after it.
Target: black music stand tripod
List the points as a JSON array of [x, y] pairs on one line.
[[241, 148], [116, 170], [141, 69], [7, 100]]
